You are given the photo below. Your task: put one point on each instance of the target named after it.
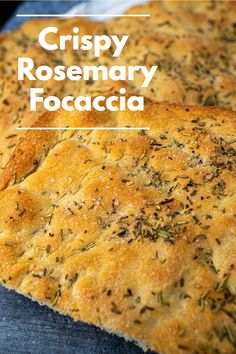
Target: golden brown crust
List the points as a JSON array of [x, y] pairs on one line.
[[132, 231]]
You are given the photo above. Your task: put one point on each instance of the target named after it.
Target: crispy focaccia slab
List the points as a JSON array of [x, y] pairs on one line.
[[133, 231], [196, 59]]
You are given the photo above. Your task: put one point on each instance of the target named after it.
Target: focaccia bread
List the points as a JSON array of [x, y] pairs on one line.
[[133, 231], [195, 57]]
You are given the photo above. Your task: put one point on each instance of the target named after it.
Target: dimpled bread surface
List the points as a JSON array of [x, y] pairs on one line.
[[132, 231]]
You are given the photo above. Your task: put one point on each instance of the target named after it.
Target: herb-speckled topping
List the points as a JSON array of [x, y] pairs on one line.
[[134, 232]]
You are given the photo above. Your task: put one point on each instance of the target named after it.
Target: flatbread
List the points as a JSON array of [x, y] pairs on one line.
[[196, 58], [132, 231]]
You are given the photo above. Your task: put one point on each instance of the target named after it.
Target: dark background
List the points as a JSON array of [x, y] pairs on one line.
[[7, 8], [28, 328]]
